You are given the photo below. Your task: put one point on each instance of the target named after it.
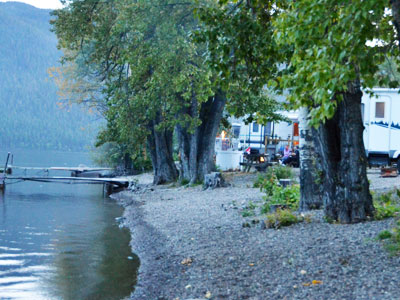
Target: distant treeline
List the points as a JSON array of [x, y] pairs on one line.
[[29, 114]]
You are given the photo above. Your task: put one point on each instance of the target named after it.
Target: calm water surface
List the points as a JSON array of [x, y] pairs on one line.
[[61, 241]]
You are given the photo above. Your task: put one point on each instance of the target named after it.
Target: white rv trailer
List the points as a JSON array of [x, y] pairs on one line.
[[253, 135], [381, 117]]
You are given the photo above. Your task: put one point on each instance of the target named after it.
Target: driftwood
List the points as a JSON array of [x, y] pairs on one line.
[[214, 180]]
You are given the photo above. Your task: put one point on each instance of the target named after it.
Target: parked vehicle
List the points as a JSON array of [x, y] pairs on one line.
[[381, 118]]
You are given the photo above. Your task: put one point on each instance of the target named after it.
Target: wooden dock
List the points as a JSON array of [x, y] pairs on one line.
[[77, 176], [121, 182]]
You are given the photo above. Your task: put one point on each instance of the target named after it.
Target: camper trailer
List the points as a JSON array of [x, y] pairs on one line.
[[273, 135], [381, 118]]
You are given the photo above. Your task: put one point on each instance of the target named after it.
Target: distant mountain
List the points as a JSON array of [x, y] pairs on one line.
[[29, 115]]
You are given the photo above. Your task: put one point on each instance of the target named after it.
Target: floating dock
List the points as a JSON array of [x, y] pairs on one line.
[[77, 176]]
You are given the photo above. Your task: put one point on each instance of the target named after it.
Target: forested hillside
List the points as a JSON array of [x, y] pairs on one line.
[[29, 114]]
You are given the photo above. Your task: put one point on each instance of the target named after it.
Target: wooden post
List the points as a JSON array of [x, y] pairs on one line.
[[108, 189], [2, 182], [3, 175]]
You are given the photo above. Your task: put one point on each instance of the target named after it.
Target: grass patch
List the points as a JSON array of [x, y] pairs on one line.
[[281, 218], [387, 205], [391, 239], [386, 234]]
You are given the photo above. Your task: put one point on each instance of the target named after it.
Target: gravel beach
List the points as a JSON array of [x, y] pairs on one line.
[[192, 245]]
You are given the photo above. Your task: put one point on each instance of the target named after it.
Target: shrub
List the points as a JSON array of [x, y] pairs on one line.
[[386, 234], [248, 213], [385, 210], [280, 218], [269, 181], [287, 197], [386, 205], [249, 210], [273, 173], [391, 239], [283, 172]]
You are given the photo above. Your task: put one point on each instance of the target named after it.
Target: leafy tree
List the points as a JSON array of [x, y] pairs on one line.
[[154, 78], [318, 51]]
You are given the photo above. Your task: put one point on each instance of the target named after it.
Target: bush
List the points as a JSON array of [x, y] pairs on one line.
[[385, 210], [387, 205], [277, 172], [386, 234], [287, 197], [270, 179], [267, 183], [282, 172], [280, 218], [391, 239]]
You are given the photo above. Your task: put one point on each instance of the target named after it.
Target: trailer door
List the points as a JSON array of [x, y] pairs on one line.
[[379, 136]]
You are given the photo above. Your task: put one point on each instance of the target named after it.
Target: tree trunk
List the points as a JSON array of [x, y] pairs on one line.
[[340, 143], [196, 147], [310, 181], [159, 143]]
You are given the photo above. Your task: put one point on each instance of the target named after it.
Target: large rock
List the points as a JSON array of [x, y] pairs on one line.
[[214, 180]]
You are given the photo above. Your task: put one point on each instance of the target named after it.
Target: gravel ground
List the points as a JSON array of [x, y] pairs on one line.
[[192, 245]]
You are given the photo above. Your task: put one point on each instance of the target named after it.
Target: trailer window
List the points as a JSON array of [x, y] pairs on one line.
[[255, 127], [380, 110]]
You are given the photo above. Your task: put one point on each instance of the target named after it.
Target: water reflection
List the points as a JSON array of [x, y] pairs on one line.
[[96, 268], [62, 242]]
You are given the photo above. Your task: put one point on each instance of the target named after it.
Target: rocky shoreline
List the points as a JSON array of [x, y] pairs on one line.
[[192, 245]]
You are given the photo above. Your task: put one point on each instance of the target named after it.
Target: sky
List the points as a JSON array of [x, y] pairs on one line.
[[49, 4]]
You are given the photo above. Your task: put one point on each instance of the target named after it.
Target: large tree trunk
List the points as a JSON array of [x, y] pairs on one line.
[[310, 181], [159, 143], [340, 143], [196, 147]]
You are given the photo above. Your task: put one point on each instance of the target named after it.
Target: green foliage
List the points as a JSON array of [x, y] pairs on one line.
[[248, 213], [153, 74], [118, 156], [242, 51], [383, 235], [391, 239], [281, 218], [314, 49], [282, 172], [289, 196], [267, 181], [286, 197], [30, 115], [330, 50], [387, 205]]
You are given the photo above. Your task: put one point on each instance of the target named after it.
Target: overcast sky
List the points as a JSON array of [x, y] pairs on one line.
[[50, 4]]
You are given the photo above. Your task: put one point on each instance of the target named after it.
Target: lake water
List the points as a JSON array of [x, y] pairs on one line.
[[61, 241]]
